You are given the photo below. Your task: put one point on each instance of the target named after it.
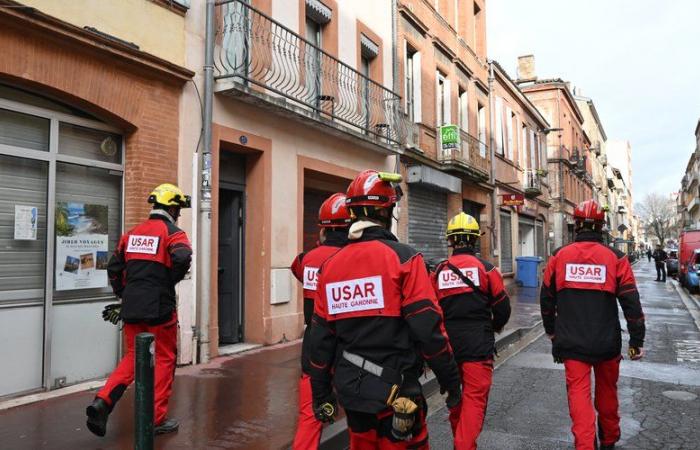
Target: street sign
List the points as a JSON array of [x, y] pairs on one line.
[[512, 199]]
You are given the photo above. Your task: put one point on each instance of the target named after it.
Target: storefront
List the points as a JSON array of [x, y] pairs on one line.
[[88, 126], [61, 184]]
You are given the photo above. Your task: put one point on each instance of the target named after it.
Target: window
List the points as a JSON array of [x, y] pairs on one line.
[[412, 84], [313, 62], [463, 110], [532, 148], [476, 29], [482, 130], [369, 51], [510, 118], [499, 126], [442, 110]]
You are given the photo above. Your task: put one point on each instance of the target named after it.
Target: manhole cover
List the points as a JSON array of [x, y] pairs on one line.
[[680, 395]]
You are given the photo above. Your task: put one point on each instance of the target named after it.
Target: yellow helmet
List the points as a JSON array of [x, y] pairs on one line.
[[169, 195], [463, 224]]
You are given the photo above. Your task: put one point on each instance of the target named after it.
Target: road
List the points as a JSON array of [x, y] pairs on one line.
[[659, 403]]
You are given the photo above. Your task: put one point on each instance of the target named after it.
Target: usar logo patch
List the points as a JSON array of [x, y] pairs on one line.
[[143, 244], [310, 278], [449, 280], [360, 294], [586, 273]]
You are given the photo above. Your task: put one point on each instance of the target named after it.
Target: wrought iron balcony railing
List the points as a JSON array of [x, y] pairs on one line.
[[532, 183], [470, 155], [264, 58]]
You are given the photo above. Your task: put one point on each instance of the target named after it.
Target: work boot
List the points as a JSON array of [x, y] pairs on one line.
[[98, 413], [167, 426]]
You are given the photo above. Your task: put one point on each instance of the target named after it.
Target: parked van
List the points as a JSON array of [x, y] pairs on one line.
[[692, 279], [690, 240]]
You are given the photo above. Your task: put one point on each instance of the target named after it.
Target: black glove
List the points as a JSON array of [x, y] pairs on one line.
[[112, 313], [454, 397], [325, 410], [557, 359]]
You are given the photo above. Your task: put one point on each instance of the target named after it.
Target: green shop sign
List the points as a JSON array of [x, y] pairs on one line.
[[449, 137]]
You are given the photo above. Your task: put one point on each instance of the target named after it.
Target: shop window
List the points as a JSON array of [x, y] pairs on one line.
[[88, 207], [90, 144], [24, 131]]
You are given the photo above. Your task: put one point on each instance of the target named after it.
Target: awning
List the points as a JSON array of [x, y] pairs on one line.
[[369, 49], [318, 12]]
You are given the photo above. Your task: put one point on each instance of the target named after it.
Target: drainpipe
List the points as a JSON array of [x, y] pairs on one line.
[[492, 154], [395, 88], [204, 297]]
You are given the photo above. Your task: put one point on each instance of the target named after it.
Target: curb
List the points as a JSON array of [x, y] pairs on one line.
[[335, 436]]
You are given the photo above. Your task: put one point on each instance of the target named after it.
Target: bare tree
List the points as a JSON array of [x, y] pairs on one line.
[[657, 213]]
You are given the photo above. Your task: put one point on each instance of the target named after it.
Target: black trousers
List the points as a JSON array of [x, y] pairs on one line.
[[661, 270]]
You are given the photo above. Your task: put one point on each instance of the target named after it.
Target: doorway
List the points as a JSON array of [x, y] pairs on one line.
[[231, 260]]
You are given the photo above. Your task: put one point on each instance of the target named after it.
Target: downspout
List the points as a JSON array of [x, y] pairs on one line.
[[562, 201], [204, 297], [492, 154], [395, 87]]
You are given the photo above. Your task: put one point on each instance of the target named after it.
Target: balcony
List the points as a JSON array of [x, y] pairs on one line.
[[693, 204], [533, 184], [262, 62], [468, 156]]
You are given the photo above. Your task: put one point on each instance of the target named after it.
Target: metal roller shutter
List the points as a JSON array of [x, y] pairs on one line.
[[539, 236], [506, 243], [427, 221]]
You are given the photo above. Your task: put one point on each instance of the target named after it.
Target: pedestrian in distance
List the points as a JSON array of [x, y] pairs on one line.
[[334, 222], [660, 258], [148, 262], [581, 282], [475, 305], [649, 255], [375, 323]]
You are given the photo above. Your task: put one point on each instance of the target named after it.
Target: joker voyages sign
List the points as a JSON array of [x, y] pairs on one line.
[[82, 241]]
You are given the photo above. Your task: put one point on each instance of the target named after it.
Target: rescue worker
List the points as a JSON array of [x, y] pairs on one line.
[[375, 323], [475, 305], [581, 283], [334, 221], [148, 262]]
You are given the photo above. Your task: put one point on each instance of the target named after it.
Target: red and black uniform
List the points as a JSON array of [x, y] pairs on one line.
[[305, 268], [147, 264], [376, 304], [470, 320], [581, 284]]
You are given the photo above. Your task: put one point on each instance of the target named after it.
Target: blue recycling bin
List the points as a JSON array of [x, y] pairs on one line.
[[528, 274]]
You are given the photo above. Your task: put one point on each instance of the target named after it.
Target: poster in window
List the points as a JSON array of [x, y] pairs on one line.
[[26, 219], [81, 246]]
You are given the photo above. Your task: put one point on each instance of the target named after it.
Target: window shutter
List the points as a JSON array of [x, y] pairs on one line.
[[447, 114], [417, 103], [464, 111], [499, 125]]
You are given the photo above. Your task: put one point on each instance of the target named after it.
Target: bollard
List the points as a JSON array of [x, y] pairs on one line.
[[143, 405]]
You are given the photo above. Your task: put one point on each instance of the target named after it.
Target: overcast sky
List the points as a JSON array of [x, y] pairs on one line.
[[639, 60]]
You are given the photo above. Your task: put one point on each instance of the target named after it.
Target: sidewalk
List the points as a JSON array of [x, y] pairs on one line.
[[246, 401]]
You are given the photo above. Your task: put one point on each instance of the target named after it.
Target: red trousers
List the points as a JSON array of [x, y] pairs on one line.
[[581, 409], [467, 419], [166, 351], [371, 432], [309, 429]]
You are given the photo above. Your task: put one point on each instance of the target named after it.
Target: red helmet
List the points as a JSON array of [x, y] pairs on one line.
[[333, 212], [589, 212], [372, 188]]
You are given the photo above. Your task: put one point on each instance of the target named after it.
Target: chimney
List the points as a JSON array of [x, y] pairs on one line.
[[526, 68]]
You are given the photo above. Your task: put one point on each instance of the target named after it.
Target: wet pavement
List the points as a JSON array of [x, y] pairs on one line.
[[247, 401], [659, 403]]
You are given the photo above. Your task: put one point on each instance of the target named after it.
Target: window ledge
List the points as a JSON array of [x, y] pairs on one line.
[[173, 6]]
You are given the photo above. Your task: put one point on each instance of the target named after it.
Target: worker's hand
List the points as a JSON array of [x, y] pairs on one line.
[[635, 353], [454, 397], [112, 313], [325, 410]]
